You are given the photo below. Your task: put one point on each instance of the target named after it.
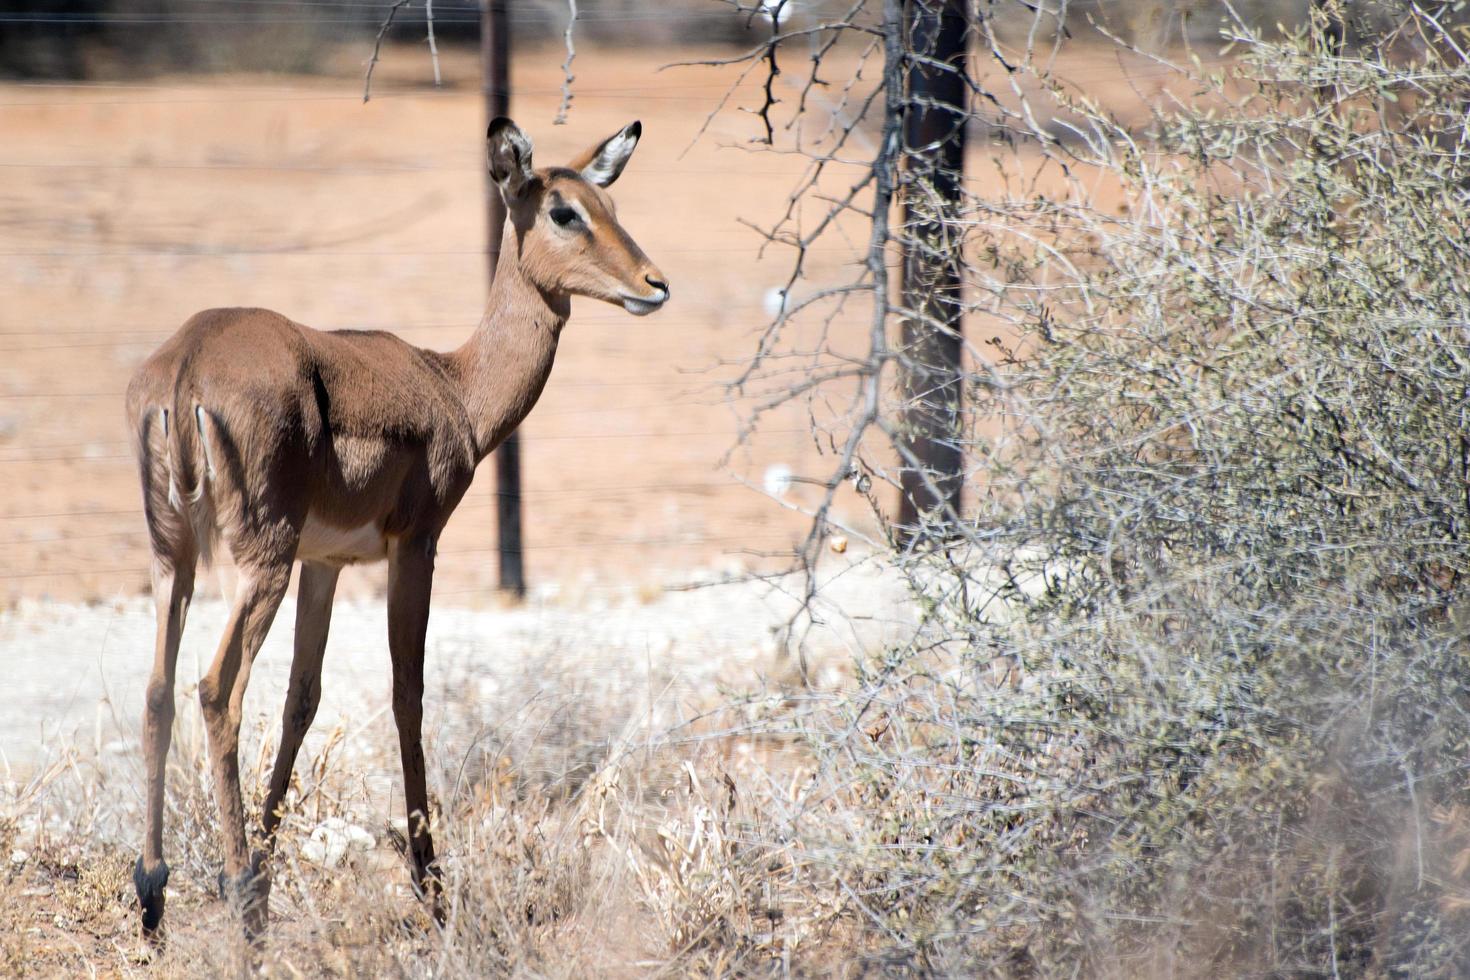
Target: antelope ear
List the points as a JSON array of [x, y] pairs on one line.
[[509, 152], [603, 164]]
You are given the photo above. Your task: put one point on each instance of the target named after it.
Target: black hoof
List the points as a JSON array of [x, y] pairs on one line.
[[249, 892], [150, 886]]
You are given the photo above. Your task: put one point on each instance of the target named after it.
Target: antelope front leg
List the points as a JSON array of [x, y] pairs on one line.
[[173, 585], [313, 616], [244, 882], [410, 580]]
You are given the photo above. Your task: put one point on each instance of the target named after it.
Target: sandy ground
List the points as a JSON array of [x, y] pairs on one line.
[[76, 668], [124, 208]]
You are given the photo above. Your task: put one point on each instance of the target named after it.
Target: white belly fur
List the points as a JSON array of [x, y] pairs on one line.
[[345, 545]]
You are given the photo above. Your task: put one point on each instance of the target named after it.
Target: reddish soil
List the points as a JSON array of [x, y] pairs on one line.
[[125, 208]]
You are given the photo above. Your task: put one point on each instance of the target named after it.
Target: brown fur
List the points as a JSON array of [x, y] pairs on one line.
[[293, 444]]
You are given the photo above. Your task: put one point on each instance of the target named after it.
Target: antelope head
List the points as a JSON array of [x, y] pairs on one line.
[[566, 227]]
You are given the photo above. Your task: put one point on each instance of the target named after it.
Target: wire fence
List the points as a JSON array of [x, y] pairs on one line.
[[60, 537], [578, 537], [57, 531], [716, 514]]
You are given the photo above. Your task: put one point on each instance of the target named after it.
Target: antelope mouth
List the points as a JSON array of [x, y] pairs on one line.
[[644, 305]]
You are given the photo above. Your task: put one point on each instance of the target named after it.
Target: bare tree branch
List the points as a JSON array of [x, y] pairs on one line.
[[433, 45], [566, 67], [772, 71], [367, 81]]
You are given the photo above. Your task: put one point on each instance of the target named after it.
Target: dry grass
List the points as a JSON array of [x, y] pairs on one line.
[[572, 843], [1189, 699]]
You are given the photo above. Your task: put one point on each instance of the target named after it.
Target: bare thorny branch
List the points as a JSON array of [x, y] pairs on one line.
[[563, 108], [367, 81], [433, 44], [566, 68], [868, 198]]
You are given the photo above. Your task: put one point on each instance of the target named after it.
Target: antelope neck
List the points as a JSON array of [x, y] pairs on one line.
[[503, 367]]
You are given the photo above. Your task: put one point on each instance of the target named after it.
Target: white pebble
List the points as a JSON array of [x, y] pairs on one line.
[[331, 841]]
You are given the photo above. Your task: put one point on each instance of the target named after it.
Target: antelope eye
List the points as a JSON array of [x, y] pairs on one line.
[[564, 217]]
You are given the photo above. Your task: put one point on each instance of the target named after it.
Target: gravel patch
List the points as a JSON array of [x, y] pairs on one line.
[[74, 674]]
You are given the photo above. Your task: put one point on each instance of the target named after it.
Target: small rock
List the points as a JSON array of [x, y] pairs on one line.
[[333, 839], [19, 857]]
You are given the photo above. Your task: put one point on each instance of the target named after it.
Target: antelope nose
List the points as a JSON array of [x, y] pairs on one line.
[[659, 284]]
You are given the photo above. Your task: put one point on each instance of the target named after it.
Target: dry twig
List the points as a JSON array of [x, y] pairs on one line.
[[367, 81], [566, 66]]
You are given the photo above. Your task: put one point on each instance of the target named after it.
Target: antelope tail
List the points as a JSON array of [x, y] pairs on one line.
[[190, 472]]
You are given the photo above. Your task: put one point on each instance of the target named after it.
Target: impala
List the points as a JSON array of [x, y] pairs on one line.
[[290, 444]]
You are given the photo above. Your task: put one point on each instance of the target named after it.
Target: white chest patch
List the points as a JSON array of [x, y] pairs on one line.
[[341, 545]]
